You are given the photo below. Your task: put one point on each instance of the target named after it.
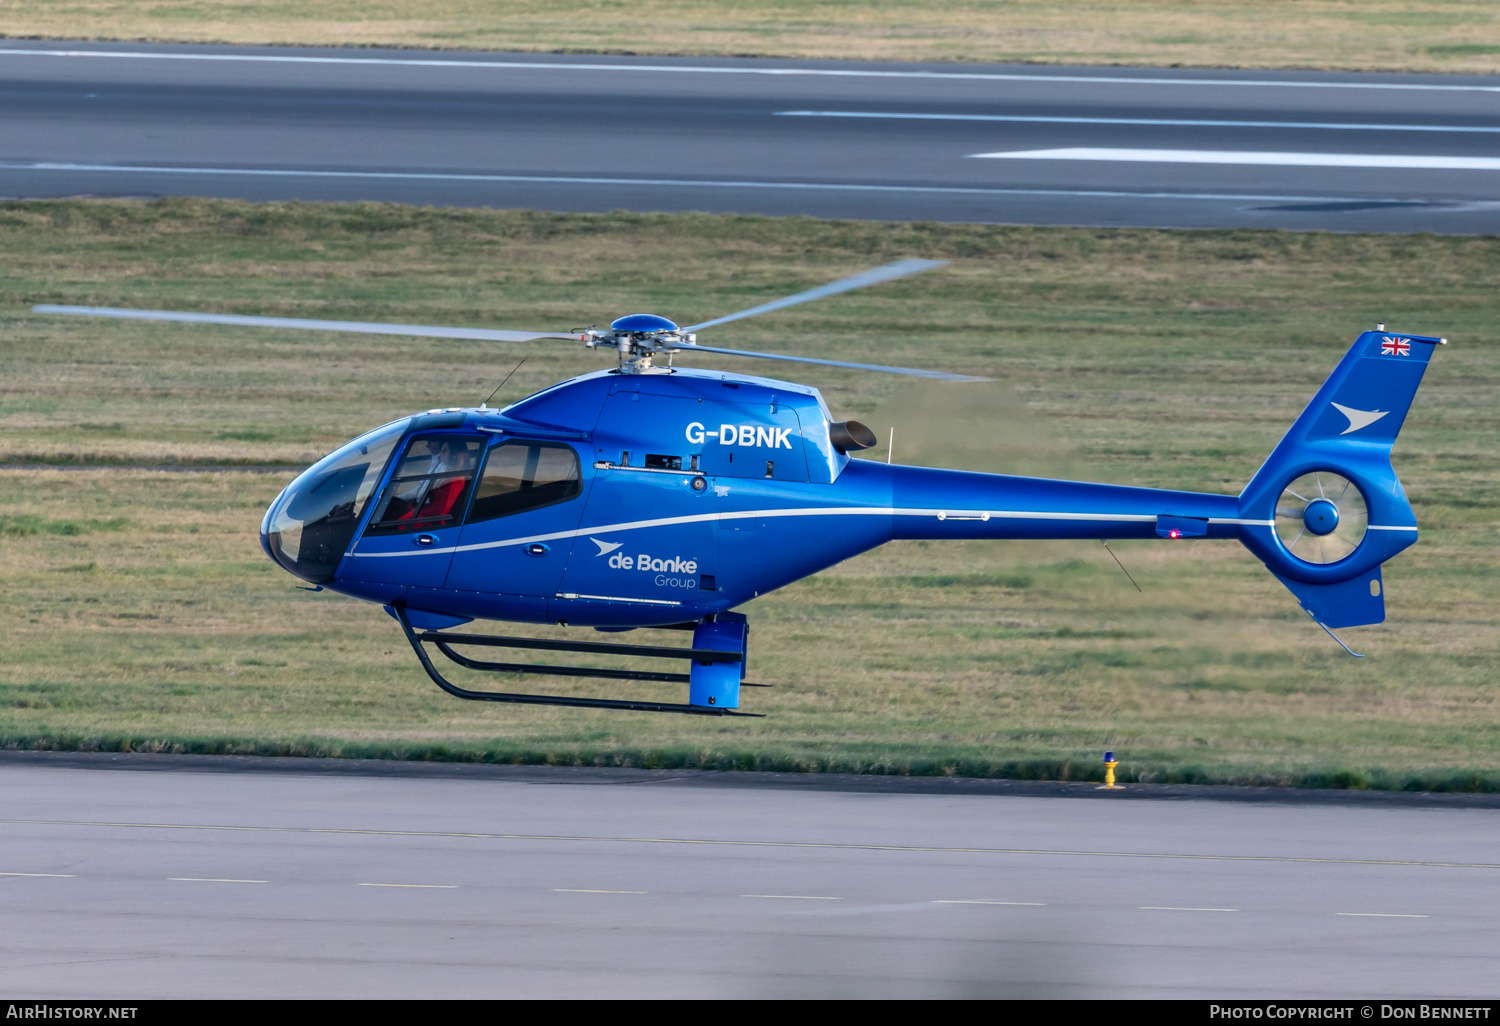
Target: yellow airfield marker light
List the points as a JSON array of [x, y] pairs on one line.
[[1109, 774]]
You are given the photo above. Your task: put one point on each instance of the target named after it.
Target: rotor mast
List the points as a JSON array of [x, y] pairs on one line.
[[639, 338]]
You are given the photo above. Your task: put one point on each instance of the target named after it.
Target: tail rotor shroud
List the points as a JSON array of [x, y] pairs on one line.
[[1321, 517]]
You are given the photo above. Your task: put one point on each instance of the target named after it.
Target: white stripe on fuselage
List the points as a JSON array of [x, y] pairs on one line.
[[817, 511]]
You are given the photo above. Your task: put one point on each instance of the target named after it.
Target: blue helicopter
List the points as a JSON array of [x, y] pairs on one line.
[[648, 495]]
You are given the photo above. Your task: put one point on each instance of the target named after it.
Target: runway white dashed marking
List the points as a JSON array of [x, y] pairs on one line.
[[786, 897], [1253, 158], [1383, 915], [1038, 119], [713, 842]]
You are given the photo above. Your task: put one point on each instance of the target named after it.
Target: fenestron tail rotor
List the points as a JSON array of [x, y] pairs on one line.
[[638, 337], [1321, 517]]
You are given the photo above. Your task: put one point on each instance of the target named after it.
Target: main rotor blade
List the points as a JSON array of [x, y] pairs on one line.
[[366, 327], [683, 347], [900, 269]]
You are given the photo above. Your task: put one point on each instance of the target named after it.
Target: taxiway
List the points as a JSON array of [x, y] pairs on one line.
[[172, 876]]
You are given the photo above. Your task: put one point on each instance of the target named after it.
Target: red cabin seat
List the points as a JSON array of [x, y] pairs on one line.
[[441, 500]]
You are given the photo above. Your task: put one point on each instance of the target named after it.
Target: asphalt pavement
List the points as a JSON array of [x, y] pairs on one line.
[[166, 876], [960, 143]]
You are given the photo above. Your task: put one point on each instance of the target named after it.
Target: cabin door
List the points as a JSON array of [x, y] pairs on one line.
[[521, 521], [415, 526]]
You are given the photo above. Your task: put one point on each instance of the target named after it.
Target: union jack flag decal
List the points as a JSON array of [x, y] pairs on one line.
[[1394, 346]]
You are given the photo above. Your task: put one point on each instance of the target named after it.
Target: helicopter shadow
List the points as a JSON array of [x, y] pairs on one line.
[[889, 955]]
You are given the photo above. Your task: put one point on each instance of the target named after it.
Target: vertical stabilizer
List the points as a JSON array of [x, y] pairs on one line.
[[1326, 509]]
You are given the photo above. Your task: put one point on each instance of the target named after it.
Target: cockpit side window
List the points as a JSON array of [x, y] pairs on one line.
[[520, 476], [429, 487]]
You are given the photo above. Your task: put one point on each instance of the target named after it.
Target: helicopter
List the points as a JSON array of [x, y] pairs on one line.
[[652, 495]]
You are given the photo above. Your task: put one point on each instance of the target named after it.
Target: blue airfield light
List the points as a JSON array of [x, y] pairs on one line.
[[1109, 773]]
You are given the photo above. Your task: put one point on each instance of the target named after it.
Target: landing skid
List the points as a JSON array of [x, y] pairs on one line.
[[446, 641]]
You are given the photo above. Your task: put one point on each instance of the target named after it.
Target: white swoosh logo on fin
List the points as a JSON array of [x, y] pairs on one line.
[[605, 548], [1359, 418]]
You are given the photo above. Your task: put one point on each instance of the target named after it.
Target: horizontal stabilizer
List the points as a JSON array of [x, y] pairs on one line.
[[1356, 602]]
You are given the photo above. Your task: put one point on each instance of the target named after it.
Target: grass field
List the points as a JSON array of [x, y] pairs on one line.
[[1392, 35], [141, 612]]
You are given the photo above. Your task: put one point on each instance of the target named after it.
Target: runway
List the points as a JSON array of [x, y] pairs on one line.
[[169, 876], [958, 143]]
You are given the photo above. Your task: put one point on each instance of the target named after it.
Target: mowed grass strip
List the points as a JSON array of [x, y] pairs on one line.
[[1388, 35], [142, 614]]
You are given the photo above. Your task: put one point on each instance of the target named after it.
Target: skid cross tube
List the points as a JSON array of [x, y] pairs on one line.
[[416, 642]]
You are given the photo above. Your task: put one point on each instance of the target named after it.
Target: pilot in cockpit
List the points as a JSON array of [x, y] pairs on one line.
[[439, 459], [433, 493]]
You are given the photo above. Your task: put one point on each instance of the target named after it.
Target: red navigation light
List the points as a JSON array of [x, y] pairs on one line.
[[1174, 534]]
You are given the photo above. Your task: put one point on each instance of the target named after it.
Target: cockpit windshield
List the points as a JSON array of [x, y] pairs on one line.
[[310, 526]]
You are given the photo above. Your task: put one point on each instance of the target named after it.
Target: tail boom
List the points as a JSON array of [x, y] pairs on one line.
[[933, 503], [1346, 432]]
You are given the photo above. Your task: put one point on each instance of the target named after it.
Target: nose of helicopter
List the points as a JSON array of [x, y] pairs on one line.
[[265, 527], [311, 523]]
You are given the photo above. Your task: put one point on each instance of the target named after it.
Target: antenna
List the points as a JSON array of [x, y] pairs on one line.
[[1122, 566], [486, 403], [889, 446]]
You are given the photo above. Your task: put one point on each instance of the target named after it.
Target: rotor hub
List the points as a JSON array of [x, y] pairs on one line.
[[1321, 517], [639, 338], [634, 323]]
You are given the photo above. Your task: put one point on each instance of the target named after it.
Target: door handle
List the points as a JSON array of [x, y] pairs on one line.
[[537, 549], [424, 539]]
